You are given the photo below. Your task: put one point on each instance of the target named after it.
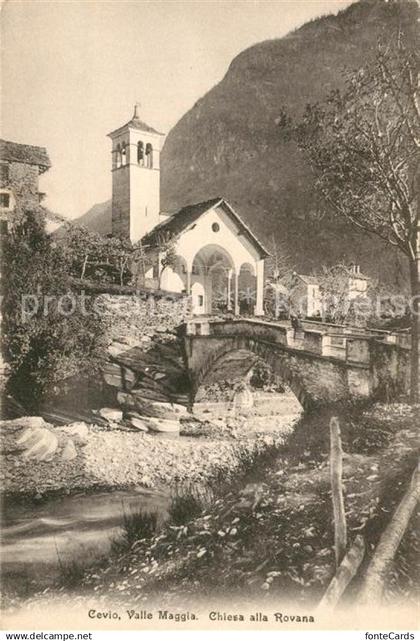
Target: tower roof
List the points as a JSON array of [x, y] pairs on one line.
[[135, 123]]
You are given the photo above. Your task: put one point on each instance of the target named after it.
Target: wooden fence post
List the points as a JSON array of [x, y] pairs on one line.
[[336, 471], [347, 570], [389, 542]]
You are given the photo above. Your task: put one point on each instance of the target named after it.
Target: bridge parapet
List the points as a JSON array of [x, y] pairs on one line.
[[349, 348]]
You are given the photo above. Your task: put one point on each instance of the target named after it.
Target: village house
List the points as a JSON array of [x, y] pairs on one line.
[[213, 251], [20, 168], [306, 295]]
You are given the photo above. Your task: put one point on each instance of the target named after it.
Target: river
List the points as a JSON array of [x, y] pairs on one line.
[[39, 538]]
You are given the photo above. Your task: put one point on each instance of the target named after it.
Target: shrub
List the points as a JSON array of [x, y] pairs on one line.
[[48, 333], [136, 526]]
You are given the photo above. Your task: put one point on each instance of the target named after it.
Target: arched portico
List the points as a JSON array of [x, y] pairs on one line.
[[211, 271]]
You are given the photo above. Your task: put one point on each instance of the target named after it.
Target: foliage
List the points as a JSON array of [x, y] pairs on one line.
[[363, 144], [168, 256], [278, 270], [184, 508], [48, 335], [91, 255], [263, 377]]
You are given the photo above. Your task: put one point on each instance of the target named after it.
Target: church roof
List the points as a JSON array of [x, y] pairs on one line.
[[178, 222], [28, 154]]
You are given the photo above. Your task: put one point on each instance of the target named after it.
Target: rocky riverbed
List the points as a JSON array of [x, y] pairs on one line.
[[40, 458]]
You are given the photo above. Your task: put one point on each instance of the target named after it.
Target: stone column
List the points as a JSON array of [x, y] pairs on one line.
[[259, 307], [229, 290], [236, 309]]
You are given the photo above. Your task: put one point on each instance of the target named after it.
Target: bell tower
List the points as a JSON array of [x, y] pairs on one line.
[[135, 178]]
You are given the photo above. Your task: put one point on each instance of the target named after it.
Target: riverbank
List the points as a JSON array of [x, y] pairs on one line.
[[269, 538], [112, 457], [273, 539]]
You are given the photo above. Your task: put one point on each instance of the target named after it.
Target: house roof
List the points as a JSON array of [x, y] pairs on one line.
[[28, 154], [308, 280], [186, 216]]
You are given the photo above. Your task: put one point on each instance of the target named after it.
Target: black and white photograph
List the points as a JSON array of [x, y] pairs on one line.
[[210, 316]]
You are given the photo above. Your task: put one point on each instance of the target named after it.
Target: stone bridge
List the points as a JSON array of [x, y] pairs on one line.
[[321, 364]]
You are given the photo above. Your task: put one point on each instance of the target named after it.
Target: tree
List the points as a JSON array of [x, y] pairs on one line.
[[96, 257], [363, 144], [278, 270], [167, 255], [49, 334]]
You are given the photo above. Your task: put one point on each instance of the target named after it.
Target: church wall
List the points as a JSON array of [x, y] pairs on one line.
[[226, 237]]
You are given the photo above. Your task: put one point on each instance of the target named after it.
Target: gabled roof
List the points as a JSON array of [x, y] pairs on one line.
[[308, 280], [28, 154], [178, 222]]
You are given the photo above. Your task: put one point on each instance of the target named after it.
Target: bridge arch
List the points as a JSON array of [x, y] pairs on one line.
[[252, 350]]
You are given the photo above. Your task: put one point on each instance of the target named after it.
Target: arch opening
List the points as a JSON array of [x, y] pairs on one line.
[[211, 284], [140, 153], [241, 388], [247, 286]]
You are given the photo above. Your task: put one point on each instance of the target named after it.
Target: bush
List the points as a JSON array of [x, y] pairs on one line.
[[136, 526], [49, 332]]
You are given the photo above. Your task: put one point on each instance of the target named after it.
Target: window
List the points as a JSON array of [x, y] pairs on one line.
[[124, 154], [149, 155], [140, 153], [4, 173], [5, 201], [118, 156], [215, 227], [200, 300]]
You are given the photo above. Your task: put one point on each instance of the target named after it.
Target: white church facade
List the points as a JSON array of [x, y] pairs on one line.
[[215, 257]]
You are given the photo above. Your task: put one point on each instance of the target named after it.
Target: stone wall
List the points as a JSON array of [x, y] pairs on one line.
[[23, 182], [136, 319]]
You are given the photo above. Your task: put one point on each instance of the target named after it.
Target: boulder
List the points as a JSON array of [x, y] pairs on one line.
[[78, 431], [137, 422], [148, 407], [243, 400], [24, 421], [111, 414], [69, 451], [39, 443], [161, 424]]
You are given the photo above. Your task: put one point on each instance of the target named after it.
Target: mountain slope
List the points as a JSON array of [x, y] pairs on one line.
[[97, 218], [229, 144]]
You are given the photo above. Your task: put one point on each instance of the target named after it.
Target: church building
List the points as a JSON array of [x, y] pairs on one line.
[[214, 256]]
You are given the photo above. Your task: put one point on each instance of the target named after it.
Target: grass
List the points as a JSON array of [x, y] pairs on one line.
[[136, 526], [188, 502]]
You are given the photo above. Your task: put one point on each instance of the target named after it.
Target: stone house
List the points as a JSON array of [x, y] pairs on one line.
[[306, 295], [20, 168]]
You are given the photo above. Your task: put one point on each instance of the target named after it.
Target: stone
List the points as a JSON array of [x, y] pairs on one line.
[[161, 424], [78, 431], [69, 451], [39, 443], [137, 422], [111, 414], [155, 409], [25, 421]]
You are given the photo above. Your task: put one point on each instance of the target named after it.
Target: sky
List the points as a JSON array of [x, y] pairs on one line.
[[72, 71]]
